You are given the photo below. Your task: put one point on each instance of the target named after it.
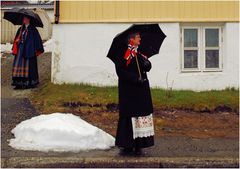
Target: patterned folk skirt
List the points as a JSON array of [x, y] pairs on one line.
[[24, 71], [135, 132]]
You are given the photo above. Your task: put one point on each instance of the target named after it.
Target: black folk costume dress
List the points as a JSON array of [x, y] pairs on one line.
[[135, 125], [29, 46]]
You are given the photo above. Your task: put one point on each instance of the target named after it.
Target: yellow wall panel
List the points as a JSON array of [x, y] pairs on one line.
[[149, 11], [108, 9], [98, 10], [121, 10]]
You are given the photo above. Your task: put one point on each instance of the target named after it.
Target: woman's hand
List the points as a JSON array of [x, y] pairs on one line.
[[38, 53], [144, 56]]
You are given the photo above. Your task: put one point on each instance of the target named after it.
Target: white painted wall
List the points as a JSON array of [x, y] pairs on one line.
[[50, 13], [80, 50]]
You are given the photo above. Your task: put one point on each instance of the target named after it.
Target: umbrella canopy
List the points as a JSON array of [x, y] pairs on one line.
[[151, 40], [16, 15]]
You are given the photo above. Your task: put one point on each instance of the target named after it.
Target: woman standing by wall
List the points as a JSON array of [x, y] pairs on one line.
[[26, 47], [135, 126]]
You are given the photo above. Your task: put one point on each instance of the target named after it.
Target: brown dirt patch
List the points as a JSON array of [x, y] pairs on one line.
[[170, 123]]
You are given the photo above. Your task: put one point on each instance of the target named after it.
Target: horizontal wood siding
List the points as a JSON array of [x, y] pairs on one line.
[[149, 11]]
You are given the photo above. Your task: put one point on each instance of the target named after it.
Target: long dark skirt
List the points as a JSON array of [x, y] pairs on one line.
[[25, 71], [124, 136]]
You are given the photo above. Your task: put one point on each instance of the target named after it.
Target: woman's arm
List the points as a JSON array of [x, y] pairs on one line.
[[38, 43], [124, 74], [146, 64], [15, 41]]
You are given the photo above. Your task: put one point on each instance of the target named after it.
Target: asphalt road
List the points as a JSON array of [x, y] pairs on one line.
[[167, 152]]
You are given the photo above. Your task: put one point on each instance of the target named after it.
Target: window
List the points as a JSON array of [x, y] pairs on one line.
[[191, 49], [212, 48], [201, 48]]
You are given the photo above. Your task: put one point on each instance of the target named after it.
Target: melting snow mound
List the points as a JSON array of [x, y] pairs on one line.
[[59, 132]]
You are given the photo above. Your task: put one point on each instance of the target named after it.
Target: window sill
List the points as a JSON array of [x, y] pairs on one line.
[[190, 71], [212, 70], [206, 70]]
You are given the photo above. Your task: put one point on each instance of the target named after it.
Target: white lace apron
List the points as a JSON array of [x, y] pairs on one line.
[[143, 126]]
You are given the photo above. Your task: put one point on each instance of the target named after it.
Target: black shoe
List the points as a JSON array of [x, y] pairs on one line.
[[17, 87], [126, 151], [31, 86], [138, 151]]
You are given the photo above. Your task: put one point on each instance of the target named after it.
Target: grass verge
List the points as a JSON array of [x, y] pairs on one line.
[[98, 106], [52, 97]]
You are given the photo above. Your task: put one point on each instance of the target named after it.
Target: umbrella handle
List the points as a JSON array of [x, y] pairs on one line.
[[140, 75]]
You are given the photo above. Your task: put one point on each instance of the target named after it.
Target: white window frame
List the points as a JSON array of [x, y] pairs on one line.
[[220, 38], [190, 48], [201, 48]]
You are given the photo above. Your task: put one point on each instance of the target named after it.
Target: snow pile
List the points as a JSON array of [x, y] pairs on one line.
[[6, 48], [39, 1], [59, 132], [48, 45]]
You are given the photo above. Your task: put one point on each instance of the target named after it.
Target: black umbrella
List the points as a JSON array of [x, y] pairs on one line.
[[151, 40], [16, 15]]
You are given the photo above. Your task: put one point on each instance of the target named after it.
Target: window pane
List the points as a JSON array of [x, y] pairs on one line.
[[190, 58], [212, 37], [190, 38], [212, 59]]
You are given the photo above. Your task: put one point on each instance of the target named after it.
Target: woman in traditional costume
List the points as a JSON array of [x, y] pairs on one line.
[[26, 47], [135, 126]]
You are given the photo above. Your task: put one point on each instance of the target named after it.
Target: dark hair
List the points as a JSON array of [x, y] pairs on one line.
[[27, 17], [132, 35]]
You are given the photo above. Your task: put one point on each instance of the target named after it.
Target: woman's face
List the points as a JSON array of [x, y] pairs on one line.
[[26, 20], [136, 40]]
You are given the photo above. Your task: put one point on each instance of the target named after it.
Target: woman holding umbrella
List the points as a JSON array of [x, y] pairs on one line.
[[130, 51], [26, 47]]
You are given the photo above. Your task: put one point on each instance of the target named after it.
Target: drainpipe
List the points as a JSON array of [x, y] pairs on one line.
[[57, 11]]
